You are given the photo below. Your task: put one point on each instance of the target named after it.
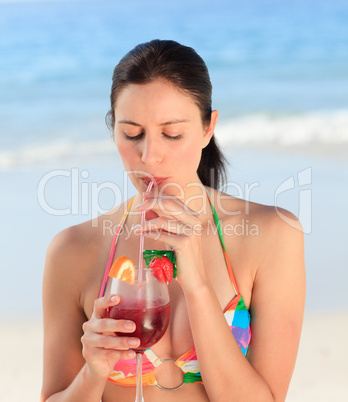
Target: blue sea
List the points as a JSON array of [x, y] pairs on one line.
[[280, 82], [280, 66]]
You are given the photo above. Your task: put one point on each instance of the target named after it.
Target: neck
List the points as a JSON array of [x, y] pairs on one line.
[[196, 198]]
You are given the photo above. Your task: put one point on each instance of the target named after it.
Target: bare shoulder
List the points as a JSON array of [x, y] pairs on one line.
[[279, 232], [68, 263], [270, 219], [72, 246], [76, 252], [261, 231], [271, 248]]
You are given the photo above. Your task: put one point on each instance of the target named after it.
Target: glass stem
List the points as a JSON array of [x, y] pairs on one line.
[[139, 391]]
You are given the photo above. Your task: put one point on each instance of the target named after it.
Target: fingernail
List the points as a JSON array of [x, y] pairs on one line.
[[113, 299], [133, 341], [131, 354], [129, 325]]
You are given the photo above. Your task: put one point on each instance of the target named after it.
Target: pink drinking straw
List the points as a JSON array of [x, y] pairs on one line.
[[149, 187]]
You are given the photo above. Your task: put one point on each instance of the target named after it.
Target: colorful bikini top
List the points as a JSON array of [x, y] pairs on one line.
[[236, 315]]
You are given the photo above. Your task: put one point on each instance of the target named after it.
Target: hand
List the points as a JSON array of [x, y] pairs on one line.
[[180, 228], [102, 348]]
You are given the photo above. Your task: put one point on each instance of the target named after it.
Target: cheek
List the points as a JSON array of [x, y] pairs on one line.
[[191, 155], [126, 151]]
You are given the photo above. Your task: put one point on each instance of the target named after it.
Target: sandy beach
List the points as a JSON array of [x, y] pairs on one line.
[[321, 370], [320, 375]]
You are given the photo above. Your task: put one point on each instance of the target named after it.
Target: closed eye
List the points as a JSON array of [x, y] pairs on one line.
[[134, 138], [170, 137], [139, 137]]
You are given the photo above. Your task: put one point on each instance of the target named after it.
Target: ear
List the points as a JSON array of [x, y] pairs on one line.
[[210, 128]]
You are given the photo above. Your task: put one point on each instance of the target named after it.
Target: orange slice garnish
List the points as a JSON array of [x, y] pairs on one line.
[[123, 269]]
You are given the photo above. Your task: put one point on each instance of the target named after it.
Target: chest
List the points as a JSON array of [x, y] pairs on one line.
[[178, 338]]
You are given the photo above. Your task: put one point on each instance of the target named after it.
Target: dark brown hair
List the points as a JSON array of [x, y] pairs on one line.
[[183, 67]]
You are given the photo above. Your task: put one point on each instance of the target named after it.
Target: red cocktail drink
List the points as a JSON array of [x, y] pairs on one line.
[[144, 299], [151, 323]]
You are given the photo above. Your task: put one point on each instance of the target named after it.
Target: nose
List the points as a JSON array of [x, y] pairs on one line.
[[152, 151]]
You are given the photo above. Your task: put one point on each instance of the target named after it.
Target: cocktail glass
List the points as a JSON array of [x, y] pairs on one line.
[[146, 302]]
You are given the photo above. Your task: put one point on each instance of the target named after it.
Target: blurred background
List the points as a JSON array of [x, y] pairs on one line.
[[280, 82]]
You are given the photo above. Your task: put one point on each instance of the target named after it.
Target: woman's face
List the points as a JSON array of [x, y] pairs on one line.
[[159, 132]]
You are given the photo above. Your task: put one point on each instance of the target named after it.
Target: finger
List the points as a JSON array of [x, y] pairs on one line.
[[126, 354], [173, 240], [171, 207], [101, 304], [104, 325], [167, 203], [94, 340], [103, 354], [119, 354]]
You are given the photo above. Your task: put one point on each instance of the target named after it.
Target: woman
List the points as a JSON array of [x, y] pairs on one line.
[[163, 127]]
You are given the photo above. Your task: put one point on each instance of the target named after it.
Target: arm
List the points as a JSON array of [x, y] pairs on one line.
[[278, 301], [73, 373], [277, 312]]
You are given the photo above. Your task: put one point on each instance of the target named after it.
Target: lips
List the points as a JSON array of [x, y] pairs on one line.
[[157, 180]]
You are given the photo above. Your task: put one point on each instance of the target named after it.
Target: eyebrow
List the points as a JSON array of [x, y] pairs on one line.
[[166, 123]]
